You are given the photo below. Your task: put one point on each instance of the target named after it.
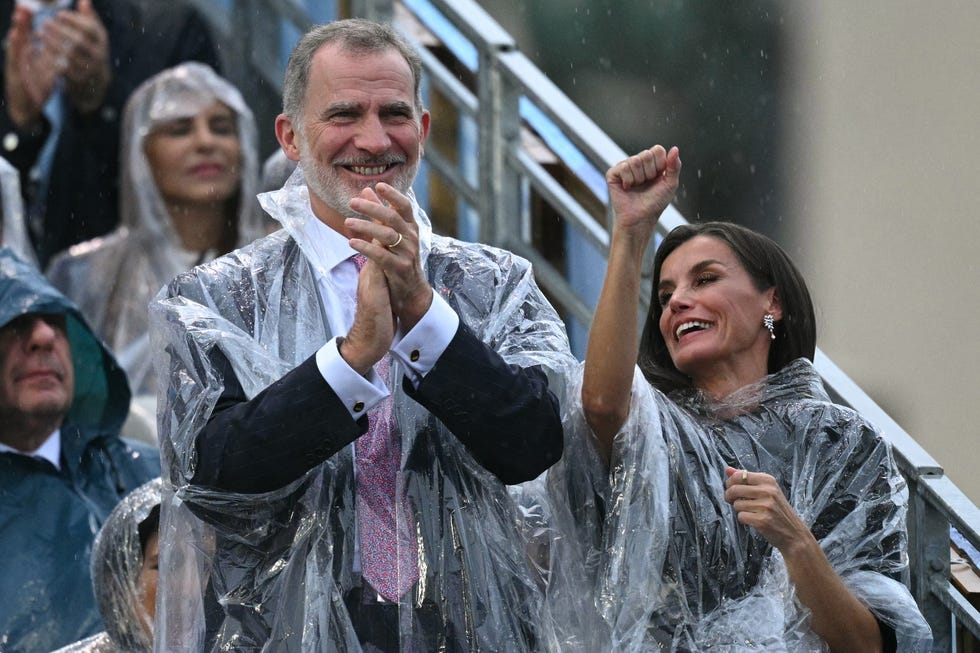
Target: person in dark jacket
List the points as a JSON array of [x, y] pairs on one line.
[[63, 464], [67, 70], [380, 517]]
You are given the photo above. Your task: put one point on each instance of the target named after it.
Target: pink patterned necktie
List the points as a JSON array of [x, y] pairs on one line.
[[389, 554]]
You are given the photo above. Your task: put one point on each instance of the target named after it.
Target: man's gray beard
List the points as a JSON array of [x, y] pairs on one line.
[[334, 193]]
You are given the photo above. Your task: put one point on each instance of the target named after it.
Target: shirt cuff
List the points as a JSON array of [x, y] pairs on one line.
[[419, 349], [358, 393]]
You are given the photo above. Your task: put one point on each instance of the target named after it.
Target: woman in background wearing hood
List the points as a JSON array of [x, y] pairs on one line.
[[189, 169]]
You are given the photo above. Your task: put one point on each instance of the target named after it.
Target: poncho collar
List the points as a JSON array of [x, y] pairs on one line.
[[290, 206], [797, 380]]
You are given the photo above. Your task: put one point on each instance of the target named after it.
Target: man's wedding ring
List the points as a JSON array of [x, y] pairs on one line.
[[396, 243]]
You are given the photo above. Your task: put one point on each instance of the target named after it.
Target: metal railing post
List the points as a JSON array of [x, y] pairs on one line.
[[380, 11], [929, 562], [499, 124]]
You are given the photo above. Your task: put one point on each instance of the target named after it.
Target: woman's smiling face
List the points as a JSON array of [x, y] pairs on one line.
[[712, 316], [196, 159]]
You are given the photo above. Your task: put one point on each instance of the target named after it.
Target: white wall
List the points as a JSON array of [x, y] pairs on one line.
[[883, 140]]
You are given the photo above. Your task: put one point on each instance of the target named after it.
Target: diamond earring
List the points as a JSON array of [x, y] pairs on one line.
[[770, 323]]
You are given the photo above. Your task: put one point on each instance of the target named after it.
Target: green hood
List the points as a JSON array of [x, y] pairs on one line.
[[102, 394]]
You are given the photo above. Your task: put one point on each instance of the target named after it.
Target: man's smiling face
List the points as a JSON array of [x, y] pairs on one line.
[[360, 126]]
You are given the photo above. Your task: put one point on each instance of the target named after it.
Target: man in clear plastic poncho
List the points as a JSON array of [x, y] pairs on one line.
[[166, 230], [740, 510], [124, 562], [63, 466], [276, 358]]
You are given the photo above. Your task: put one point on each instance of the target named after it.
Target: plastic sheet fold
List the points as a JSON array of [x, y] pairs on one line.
[[13, 219]]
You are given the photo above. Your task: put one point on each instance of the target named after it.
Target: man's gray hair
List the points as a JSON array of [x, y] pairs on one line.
[[354, 35]]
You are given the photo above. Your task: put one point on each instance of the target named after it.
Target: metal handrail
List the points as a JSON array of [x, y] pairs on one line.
[[510, 97]]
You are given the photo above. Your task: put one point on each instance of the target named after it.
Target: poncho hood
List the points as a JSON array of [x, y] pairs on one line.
[[117, 561], [102, 395], [795, 383], [181, 92]]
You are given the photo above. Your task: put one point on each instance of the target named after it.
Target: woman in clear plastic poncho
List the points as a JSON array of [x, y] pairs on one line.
[[740, 509], [189, 169], [124, 574]]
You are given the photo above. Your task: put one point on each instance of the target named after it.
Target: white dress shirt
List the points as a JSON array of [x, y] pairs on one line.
[[418, 350], [50, 450], [330, 255]]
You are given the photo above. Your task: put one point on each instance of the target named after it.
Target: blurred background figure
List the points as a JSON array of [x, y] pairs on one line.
[[124, 575], [63, 464], [189, 171], [68, 69], [13, 229]]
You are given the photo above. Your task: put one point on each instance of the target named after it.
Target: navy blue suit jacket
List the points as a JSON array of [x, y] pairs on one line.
[[505, 415]]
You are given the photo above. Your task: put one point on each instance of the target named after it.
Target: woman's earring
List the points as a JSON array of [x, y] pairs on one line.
[[770, 323]]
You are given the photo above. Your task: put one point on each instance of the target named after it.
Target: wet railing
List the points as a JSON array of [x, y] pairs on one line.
[[512, 162]]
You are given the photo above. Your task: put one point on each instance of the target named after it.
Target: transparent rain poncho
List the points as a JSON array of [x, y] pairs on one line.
[[117, 561], [113, 278], [279, 563], [13, 226], [672, 568]]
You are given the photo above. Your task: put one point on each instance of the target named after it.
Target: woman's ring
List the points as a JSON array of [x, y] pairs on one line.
[[396, 243], [745, 476]]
